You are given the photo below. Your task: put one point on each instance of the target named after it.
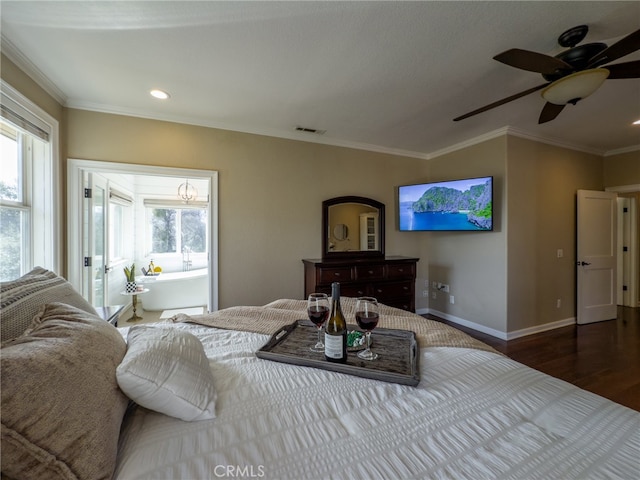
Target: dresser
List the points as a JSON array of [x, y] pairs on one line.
[[389, 279]]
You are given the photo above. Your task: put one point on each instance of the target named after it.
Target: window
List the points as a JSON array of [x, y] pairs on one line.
[[14, 210], [28, 176], [116, 230], [120, 220], [177, 230]]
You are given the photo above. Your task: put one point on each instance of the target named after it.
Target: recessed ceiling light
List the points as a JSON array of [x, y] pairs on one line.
[[162, 95]]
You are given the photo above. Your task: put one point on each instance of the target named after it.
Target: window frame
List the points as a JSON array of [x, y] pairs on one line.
[[150, 205], [41, 186]]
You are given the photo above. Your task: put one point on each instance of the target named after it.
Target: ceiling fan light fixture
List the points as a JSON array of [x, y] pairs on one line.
[[575, 87]]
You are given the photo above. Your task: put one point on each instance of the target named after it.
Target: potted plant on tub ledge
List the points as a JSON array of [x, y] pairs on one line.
[[130, 274]]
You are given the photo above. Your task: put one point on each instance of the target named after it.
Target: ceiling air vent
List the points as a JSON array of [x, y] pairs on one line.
[[310, 130]]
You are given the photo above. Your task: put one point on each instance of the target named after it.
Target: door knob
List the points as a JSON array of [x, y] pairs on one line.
[[582, 264]]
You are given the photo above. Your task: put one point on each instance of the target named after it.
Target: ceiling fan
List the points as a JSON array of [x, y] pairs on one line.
[[571, 75]]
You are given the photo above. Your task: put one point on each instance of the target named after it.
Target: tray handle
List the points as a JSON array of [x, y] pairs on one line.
[[279, 335]]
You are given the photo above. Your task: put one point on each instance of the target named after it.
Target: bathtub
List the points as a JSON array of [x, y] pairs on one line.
[[175, 290]]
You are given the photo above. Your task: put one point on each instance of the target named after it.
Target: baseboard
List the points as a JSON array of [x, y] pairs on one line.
[[466, 323], [541, 328], [497, 333]]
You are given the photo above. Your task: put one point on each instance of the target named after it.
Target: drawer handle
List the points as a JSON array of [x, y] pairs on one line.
[[405, 288], [337, 274], [360, 293], [370, 272], [401, 270]]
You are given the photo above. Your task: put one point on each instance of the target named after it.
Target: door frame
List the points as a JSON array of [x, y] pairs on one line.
[[633, 265], [75, 169]]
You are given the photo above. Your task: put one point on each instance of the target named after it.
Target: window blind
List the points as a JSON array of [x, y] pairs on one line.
[[22, 123]]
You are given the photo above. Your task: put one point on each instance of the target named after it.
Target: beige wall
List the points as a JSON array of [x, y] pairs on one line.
[[270, 192], [473, 264], [20, 81], [622, 169], [542, 181]]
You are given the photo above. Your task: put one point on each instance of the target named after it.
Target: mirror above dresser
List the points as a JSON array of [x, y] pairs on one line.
[[353, 254], [352, 227]]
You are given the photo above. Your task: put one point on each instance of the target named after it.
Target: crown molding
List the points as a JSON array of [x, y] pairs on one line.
[[201, 122], [522, 134], [30, 69], [469, 142], [554, 141], [619, 151], [14, 54]]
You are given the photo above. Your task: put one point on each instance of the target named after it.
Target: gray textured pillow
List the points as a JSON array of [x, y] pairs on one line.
[[61, 405], [21, 299]]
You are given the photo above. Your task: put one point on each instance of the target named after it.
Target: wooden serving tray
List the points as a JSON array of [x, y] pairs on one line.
[[397, 351]]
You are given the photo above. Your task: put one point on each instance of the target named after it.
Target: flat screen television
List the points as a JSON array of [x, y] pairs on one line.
[[453, 205]]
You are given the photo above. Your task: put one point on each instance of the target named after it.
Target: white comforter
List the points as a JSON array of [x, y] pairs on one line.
[[475, 414]]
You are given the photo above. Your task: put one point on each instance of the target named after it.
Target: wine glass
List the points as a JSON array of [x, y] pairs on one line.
[[367, 317], [318, 311]]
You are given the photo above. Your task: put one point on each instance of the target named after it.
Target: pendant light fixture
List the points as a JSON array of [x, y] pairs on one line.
[[187, 192]]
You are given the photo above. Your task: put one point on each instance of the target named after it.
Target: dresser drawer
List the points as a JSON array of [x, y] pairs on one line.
[[401, 270], [390, 280], [369, 272], [391, 290], [401, 303], [354, 290], [335, 274]]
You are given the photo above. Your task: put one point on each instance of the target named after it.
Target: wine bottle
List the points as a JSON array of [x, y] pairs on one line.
[[335, 333]]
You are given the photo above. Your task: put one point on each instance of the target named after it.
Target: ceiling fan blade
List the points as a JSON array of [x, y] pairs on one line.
[[549, 112], [532, 61], [624, 70], [627, 45], [501, 102]]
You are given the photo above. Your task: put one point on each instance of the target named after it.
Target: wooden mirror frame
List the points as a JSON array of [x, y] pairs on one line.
[[326, 228]]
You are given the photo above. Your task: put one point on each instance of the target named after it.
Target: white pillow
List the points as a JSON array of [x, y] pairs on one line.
[[166, 370]]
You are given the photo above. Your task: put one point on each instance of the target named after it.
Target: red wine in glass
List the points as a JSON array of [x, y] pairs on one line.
[[318, 311], [367, 316], [318, 314], [367, 321]]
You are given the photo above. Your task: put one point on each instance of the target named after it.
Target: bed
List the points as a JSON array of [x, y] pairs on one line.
[[207, 407]]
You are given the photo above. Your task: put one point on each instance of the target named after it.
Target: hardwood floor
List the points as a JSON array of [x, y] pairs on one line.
[[603, 357]]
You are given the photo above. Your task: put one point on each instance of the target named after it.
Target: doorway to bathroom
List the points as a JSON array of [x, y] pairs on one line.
[[162, 220]]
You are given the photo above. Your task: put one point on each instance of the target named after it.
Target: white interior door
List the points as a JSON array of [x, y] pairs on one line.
[[596, 259]]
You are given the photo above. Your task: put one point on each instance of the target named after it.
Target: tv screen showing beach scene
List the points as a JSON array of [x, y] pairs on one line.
[[453, 205]]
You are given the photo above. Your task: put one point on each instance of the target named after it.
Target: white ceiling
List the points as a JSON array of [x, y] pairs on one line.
[[385, 76]]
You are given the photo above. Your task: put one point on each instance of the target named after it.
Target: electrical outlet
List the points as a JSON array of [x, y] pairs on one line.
[[434, 295], [434, 285], [451, 299], [558, 303], [425, 293], [560, 253], [445, 288]]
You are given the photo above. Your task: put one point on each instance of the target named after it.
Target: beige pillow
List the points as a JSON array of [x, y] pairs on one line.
[[21, 299], [61, 405], [166, 370]]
